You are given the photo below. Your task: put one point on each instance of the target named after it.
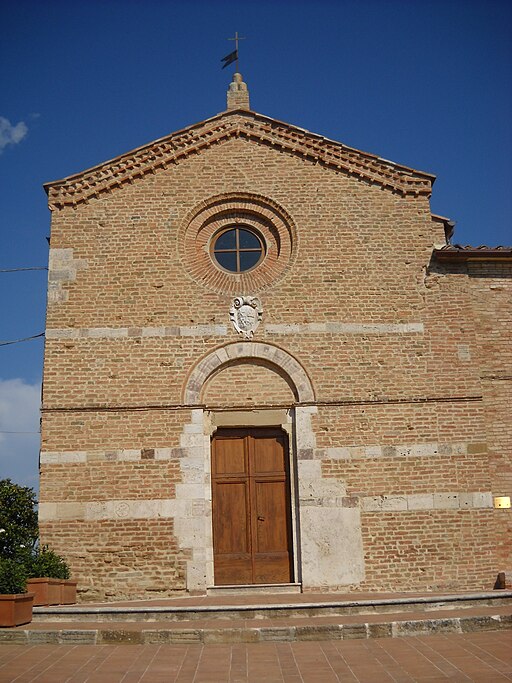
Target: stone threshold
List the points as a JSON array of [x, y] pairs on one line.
[[253, 589], [138, 633]]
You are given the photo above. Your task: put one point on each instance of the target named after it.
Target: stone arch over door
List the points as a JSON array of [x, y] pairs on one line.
[[273, 355], [194, 495]]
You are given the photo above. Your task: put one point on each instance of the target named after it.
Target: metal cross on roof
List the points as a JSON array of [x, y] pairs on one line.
[[236, 39]]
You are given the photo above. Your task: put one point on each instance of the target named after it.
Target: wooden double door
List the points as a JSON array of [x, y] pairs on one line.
[[251, 507]]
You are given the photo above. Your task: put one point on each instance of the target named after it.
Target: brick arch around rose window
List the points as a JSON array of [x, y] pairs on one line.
[[256, 213], [271, 355]]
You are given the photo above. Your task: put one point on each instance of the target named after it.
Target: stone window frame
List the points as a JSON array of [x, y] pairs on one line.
[[261, 214]]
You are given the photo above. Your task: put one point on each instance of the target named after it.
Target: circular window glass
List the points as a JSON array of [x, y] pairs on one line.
[[237, 249]]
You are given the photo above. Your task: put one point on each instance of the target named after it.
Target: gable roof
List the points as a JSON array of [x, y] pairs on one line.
[[238, 123]]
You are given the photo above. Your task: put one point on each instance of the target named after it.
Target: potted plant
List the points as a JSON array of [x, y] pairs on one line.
[[49, 578], [47, 572], [15, 602]]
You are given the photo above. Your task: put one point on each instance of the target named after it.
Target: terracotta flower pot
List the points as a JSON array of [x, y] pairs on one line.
[[46, 591], [67, 592], [16, 609]]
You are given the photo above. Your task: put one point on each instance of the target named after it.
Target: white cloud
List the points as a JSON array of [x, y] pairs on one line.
[[9, 134], [19, 412]]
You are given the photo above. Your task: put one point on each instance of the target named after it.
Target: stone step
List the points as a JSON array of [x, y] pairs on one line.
[[250, 590], [393, 625], [267, 607]]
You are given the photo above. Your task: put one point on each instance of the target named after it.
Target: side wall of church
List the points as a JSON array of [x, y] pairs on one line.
[[396, 442], [491, 291]]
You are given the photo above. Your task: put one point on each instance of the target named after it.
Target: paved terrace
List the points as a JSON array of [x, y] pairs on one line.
[[477, 657]]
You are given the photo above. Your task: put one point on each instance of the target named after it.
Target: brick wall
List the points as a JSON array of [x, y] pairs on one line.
[[247, 384], [491, 291], [394, 347], [441, 550], [120, 558]]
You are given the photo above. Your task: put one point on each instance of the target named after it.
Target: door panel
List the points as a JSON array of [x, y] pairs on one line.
[[272, 533], [231, 538], [231, 458], [230, 501], [251, 507], [269, 456]]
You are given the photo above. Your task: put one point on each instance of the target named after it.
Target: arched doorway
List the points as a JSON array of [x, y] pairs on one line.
[[250, 395]]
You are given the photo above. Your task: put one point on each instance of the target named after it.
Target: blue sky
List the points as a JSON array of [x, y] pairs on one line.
[[426, 83]]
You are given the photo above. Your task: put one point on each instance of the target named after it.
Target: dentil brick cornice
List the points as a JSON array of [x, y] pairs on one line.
[[174, 148]]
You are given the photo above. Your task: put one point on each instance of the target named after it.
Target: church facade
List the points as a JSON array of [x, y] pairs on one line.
[[265, 364]]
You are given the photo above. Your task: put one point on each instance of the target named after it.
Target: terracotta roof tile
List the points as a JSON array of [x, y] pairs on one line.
[[468, 251], [469, 247]]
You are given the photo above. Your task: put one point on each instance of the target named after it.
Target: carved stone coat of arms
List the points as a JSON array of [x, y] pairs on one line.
[[246, 313]]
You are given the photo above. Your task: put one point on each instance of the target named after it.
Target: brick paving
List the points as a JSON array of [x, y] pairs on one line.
[[478, 657]]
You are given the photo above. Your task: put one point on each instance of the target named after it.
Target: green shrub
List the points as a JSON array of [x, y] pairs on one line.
[[18, 520], [13, 577], [46, 562], [20, 556]]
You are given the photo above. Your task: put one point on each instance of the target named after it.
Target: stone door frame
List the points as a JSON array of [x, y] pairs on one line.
[[193, 522], [271, 418]]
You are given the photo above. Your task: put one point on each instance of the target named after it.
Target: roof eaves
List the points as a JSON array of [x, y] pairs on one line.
[[369, 155], [441, 219], [470, 253], [136, 150], [225, 114]]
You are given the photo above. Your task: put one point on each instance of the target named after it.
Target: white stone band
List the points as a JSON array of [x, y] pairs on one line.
[[186, 507], [346, 328], [136, 332], [427, 501], [222, 330], [414, 450], [126, 455], [193, 438]]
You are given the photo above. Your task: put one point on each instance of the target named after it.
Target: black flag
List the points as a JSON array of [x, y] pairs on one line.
[[229, 59]]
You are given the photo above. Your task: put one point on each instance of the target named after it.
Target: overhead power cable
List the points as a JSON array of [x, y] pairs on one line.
[[17, 341], [16, 270], [4, 432]]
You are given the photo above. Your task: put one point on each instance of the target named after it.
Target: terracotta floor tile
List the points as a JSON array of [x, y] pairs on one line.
[[477, 657], [496, 656]]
